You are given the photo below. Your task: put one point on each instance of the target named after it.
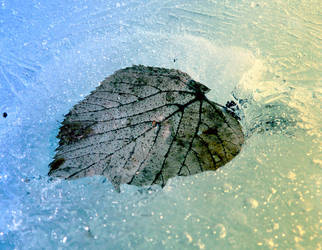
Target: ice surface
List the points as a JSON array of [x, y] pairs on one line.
[[268, 53]]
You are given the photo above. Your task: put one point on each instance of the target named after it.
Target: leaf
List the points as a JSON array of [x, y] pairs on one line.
[[144, 125]]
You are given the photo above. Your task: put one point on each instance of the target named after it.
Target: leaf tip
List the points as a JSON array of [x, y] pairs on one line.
[[56, 164]]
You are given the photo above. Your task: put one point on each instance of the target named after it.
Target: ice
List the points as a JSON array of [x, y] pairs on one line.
[[267, 53]]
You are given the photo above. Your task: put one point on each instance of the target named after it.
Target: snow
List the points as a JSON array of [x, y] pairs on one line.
[[53, 53]]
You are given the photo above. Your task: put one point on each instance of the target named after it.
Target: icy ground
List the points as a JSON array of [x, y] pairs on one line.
[[267, 52]]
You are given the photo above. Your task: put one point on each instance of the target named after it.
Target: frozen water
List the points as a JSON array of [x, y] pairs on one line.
[[268, 53]]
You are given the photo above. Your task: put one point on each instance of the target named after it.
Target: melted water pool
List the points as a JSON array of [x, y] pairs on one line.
[[265, 53]]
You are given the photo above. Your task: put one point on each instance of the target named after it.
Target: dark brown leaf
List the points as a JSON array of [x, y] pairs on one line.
[[144, 125]]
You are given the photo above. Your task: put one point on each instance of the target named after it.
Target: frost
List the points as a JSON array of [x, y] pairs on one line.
[[188, 237], [253, 203], [221, 230]]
